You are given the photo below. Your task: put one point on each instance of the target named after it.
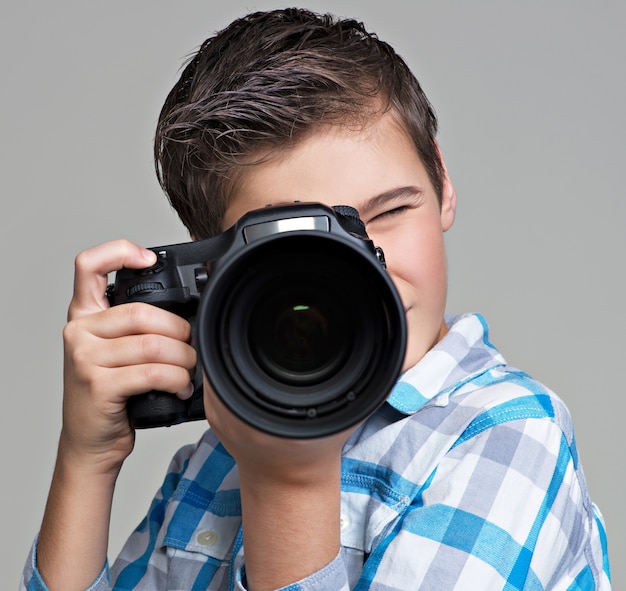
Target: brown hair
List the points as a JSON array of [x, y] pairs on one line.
[[262, 84]]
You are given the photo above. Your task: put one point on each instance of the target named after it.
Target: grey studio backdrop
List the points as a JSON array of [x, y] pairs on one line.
[[530, 97]]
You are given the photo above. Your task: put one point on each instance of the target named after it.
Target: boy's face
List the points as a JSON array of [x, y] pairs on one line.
[[377, 171]]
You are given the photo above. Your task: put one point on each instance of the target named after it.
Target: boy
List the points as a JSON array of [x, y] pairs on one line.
[[467, 477]]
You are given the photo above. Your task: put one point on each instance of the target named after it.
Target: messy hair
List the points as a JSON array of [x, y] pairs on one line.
[[265, 82]]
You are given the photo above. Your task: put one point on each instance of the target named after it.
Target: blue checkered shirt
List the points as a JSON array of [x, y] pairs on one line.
[[468, 478]]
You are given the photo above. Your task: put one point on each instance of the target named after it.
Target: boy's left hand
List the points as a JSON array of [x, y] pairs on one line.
[[290, 496], [273, 458]]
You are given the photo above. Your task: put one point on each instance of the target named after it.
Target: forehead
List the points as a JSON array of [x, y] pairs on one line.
[[335, 165]]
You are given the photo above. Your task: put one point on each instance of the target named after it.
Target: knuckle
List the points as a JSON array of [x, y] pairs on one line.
[[192, 359], [83, 261], [151, 346], [137, 314], [80, 351], [122, 244], [155, 376], [74, 337], [167, 378], [79, 362], [70, 332], [187, 330]]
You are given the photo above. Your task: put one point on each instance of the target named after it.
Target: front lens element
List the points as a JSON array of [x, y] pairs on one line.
[[299, 337]]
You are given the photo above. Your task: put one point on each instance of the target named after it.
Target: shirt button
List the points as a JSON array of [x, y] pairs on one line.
[[207, 538], [344, 522]]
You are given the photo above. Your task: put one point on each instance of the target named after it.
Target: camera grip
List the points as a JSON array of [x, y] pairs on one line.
[[155, 409], [162, 409]]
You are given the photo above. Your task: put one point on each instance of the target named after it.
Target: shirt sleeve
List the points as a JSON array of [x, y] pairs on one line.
[[333, 577], [32, 580], [137, 548], [143, 563], [506, 506]]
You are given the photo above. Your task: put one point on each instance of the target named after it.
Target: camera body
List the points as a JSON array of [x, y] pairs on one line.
[[298, 327]]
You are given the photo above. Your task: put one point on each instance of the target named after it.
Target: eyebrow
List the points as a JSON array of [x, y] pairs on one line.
[[383, 198]]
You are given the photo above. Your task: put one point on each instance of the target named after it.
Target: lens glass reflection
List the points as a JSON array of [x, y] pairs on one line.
[[299, 338]]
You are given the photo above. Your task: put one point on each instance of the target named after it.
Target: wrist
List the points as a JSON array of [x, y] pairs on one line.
[[322, 474], [83, 476], [103, 464], [291, 525], [73, 540]]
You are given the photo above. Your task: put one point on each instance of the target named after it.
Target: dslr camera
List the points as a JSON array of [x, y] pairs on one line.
[[298, 326]]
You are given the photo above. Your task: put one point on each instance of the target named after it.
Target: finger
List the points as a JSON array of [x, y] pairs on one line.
[[134, 319], [139, 379], [92, 267], [146, 349]]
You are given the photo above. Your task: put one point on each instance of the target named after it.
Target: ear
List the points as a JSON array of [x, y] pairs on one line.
[[448, 197]]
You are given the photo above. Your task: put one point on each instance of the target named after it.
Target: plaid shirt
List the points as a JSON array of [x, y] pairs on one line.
[[468, 478]]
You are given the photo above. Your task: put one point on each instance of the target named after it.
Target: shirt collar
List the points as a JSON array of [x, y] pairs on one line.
[[463, 354]]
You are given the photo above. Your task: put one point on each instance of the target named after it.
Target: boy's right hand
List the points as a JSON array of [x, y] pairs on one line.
[[110, 355], [114, 353]]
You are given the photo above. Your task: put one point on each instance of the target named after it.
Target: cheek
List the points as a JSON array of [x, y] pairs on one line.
[[418, 258], [421, 277]]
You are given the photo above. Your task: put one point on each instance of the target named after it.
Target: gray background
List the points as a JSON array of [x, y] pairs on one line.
[[531, 100]]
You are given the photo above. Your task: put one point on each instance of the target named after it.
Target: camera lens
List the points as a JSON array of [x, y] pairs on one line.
[[301, 334], [298, 336]]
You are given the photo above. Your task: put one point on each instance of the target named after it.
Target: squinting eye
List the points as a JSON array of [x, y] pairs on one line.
[[390, 213]]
